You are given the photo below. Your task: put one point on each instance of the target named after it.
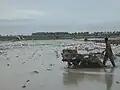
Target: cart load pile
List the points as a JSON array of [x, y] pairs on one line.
[[76, 60]]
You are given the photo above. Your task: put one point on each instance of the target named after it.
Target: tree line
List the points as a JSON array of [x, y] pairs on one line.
[[77, 33]]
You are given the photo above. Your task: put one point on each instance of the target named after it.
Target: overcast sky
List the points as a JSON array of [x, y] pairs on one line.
[[27, 16]]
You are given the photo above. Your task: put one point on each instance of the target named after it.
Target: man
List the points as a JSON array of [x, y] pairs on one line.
[[108, 53]]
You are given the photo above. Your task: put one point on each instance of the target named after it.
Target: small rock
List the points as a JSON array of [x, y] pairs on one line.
[[23, 86], [8, 64], [36, 72], [117, 82], [17, 56], [51, 65], [27, 80]]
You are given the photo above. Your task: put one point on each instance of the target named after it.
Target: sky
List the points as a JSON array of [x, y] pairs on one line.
[[27, 16]]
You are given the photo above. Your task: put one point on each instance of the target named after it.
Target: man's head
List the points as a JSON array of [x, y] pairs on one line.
[[106, 39]]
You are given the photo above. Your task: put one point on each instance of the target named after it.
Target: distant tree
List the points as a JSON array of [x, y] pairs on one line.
[[86, 33], [75, 33]]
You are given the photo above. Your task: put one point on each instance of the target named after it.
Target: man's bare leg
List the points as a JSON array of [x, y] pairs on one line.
[[112, 61], [105, 60]]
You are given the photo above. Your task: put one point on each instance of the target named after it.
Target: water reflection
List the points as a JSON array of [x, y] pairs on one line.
[[109, 78], [73, 77]]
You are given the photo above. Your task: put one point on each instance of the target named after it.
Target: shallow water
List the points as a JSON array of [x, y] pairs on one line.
[[37, 65]]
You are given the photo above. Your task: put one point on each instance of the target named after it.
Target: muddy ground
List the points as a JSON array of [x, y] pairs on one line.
[[37, 65]]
